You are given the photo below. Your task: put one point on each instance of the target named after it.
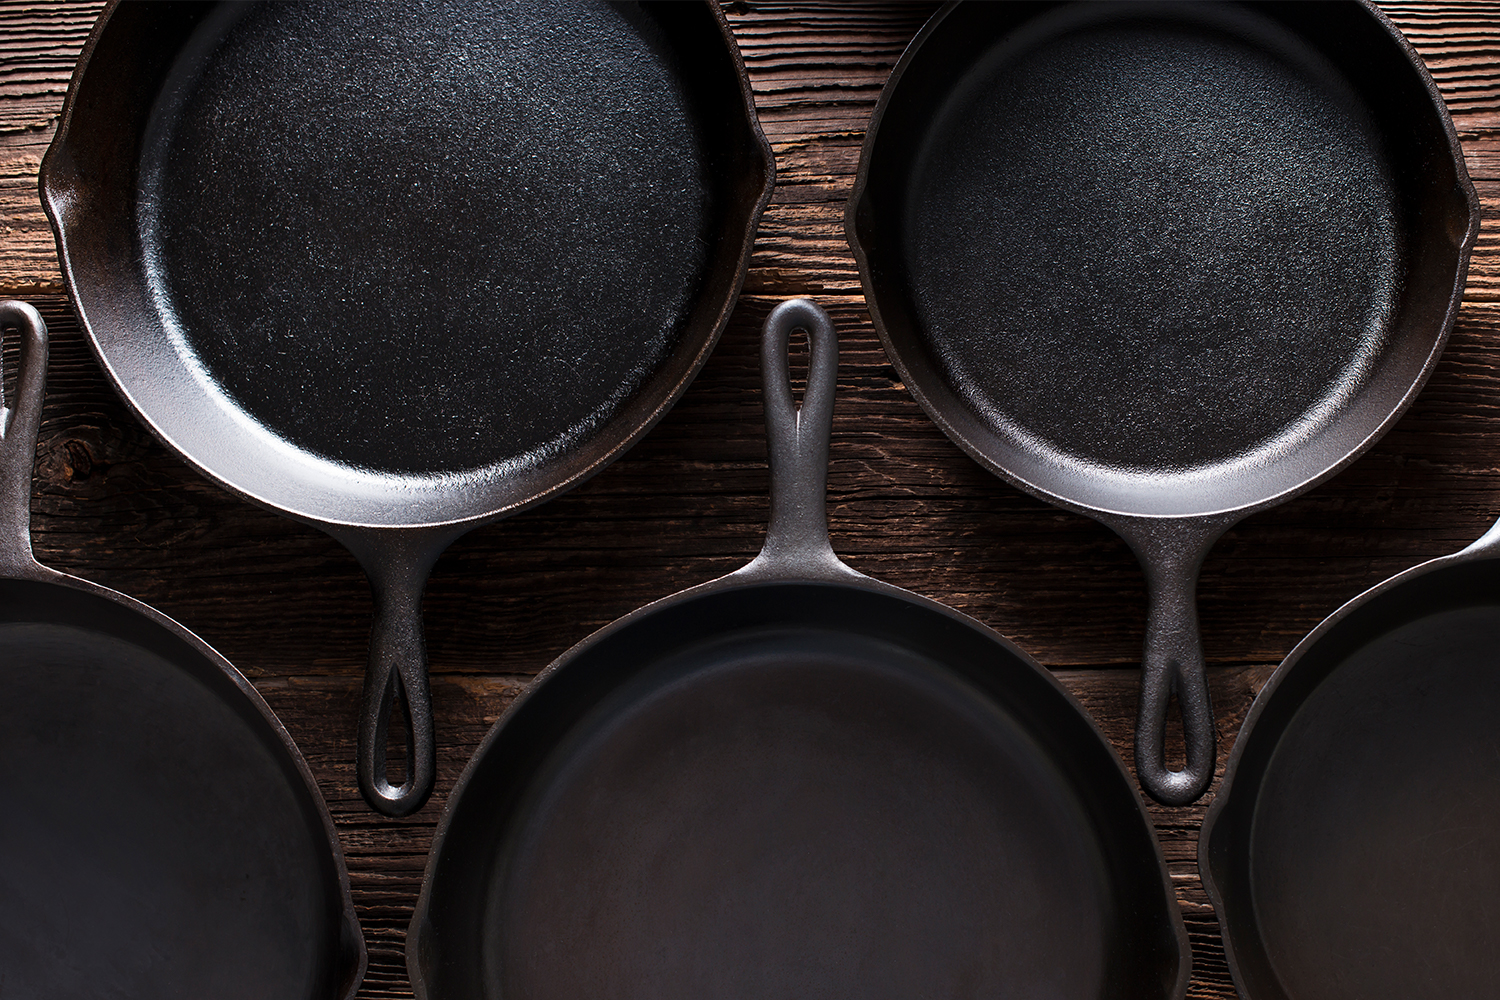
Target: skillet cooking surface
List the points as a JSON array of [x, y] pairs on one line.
[[1184, 228], [778, 812], [413, 238], [155, 837]]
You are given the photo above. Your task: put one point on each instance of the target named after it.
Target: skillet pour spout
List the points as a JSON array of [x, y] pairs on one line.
[[796, 781], [1165, 265]]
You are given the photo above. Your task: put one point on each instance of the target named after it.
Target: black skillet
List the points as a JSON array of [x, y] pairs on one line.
[[162, 836], [1165, 265], [398, 269], [1354, 848], [796, 781]]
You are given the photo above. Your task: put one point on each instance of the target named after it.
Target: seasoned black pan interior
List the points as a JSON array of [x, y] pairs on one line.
[[1356, 853], [406, 263], [797, 790], [160, 840], [333, 164], [1161, 259]]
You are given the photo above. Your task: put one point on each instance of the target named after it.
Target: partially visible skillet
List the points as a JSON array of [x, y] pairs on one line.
[[398, 269], [161, 836], [796, 781], [1165, 264], [1353, 851]]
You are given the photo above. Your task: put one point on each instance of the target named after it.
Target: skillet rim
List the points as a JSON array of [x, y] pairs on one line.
[[1112, 514], [55, 207], [741, 582]]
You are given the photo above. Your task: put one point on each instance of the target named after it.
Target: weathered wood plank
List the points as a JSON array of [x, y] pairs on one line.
[[39, 45], [291, 608]]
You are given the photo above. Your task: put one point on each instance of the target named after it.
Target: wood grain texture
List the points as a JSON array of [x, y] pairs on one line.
[[290, 608]]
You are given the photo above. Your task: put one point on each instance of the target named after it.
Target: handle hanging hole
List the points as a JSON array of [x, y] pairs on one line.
[[10, 369], [1174, 740], [798, 357], [398, 751]]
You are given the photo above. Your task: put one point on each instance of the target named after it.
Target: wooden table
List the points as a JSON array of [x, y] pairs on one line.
[[291, 609]]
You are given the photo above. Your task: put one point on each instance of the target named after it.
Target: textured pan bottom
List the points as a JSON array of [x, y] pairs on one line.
[[1151, 239], [426, 238]]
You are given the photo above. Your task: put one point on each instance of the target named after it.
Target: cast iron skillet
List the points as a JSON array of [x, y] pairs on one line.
[[398, 269], [1165, 265], [796, 781], [162, 835], [1354, 848]]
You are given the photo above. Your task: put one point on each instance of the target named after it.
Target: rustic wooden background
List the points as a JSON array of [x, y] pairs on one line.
[[291, 609]]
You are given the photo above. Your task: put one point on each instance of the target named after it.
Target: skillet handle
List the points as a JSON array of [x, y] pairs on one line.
[[20, 420], [1173, 664], [396, 684], [1172, 553], [797, 444]]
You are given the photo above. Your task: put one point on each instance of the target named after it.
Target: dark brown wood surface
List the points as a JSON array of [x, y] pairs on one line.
[[291, 609]]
